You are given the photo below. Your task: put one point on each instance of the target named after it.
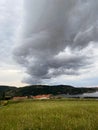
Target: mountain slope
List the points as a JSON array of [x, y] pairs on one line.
[[42, 89]]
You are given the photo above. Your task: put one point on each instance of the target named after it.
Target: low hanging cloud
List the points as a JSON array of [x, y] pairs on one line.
[[58, 38]]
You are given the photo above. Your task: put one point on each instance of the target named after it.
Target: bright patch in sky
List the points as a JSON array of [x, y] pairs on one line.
[[49, 42], [10, 21]]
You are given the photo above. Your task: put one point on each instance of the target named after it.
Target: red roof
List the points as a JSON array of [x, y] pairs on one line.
[[42, 96]]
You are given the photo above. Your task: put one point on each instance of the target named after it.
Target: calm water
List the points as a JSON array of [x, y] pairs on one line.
[[95, 94], [91, 94]]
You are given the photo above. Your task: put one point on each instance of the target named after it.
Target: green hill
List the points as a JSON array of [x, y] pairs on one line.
[[8, 91]]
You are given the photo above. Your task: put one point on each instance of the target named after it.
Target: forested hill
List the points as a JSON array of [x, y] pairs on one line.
[[42, 89], [6, 88]]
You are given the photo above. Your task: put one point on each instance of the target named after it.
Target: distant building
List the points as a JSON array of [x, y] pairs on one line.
[[48, 96], [20, 98]]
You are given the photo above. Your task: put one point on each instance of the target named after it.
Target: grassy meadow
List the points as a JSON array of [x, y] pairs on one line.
[[50, 115]]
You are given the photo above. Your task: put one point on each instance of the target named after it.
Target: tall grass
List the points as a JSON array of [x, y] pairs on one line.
[[50, 115]]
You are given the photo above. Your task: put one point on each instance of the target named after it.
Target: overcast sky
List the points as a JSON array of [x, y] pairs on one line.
[[49, 42]]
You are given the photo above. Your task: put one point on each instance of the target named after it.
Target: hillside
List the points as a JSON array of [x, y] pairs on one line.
[[4, 89], [8, 91]]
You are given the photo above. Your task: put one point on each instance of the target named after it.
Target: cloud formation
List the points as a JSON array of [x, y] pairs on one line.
[[59, 38]]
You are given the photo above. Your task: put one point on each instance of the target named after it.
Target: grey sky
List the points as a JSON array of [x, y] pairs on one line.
[[56, 40]]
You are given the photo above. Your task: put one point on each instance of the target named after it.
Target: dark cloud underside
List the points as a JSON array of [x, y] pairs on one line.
[[58, 38]]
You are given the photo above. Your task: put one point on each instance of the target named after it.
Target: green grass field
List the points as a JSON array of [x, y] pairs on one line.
[[50, 115]]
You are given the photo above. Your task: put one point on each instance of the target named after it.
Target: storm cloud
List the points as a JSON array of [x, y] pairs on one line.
[[58, 38]]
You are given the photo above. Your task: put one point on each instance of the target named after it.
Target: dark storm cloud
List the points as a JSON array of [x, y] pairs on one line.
[[56, 37]]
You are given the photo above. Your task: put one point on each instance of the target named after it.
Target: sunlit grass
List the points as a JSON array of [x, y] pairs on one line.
[[50, 115]]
